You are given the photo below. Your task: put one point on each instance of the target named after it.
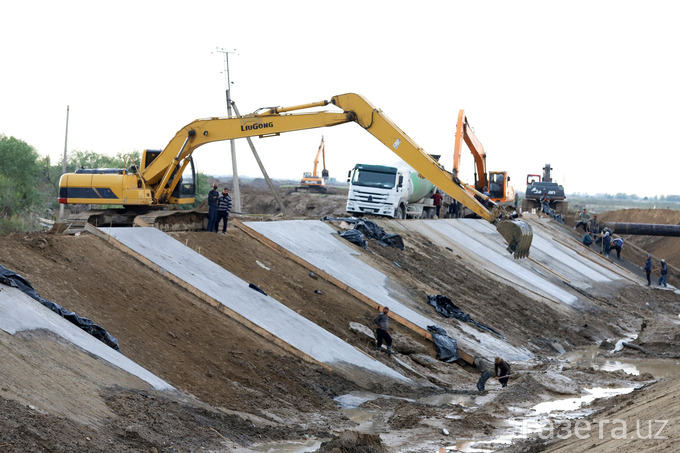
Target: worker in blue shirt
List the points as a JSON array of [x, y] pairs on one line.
[[617, 244], [648, 269]]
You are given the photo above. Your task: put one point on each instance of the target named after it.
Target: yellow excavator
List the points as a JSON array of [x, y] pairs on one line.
[[166, 177], [312, 180]]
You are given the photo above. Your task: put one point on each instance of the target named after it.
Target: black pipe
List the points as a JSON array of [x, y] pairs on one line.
[[644, 229]]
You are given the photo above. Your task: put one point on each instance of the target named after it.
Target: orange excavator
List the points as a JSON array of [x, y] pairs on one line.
[[312, 180], [496, 182]]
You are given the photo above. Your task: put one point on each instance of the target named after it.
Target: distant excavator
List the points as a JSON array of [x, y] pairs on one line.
[[167, 176], [496, 182], [312, 180]]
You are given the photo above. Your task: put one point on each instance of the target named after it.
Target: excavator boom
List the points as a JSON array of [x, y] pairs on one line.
[[496, 182], [156, 181], [464, 133]]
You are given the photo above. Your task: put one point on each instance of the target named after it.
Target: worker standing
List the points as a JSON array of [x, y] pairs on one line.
[[437, 197], [454, 209], [594, 224], [223, 210], [584, 219], [648, 269], [545, 204], [606, 244], [502, 370], [664, 273], [382, 331], [213, 195]]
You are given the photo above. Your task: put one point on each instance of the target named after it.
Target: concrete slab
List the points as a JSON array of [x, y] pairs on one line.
[[171, 256], [323, 248], [488, 245], [19, 312], [595, 268]]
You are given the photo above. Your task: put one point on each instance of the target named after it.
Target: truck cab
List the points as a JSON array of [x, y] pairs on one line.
[[396, 192]]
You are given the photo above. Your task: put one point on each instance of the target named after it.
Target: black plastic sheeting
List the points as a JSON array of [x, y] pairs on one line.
[[448, 309], [15, 280], [370, 230], [355, 237], [447, 347]]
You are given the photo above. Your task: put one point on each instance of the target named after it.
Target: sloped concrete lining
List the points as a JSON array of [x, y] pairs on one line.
[[580, 271], [19, 312], [173, 257], [466, 233], [595, 269], [319, 244]]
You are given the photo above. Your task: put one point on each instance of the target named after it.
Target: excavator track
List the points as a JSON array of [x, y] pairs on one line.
[[164, 220]]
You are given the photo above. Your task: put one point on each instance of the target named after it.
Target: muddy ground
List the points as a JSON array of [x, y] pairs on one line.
[[236, 391]]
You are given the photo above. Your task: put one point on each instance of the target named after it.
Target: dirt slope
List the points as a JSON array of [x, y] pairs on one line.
[[239, 388]]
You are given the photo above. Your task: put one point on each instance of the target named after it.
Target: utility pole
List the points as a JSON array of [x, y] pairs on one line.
[[264, 172], [236, 192], [63, 163]]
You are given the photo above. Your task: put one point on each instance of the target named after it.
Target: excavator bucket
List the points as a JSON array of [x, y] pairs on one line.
[[518, 234]]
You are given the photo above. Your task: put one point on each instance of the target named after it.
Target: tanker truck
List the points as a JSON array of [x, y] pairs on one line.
[[398, 192]]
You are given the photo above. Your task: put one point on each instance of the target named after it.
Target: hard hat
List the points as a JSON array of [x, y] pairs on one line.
[[663, 260]]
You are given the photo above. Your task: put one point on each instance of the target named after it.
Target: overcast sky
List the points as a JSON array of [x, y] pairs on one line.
[[590, 87]]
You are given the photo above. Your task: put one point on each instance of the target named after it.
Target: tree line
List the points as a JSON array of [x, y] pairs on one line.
[[29, 183]]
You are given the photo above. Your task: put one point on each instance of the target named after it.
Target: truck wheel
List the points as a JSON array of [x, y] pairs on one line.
[[400, 212]]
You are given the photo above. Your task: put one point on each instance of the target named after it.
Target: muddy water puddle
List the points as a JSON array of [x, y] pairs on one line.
[[541, 419], [289, 447], [590, 358]]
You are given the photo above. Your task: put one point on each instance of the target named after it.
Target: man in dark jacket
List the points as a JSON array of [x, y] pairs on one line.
[[664, 273], [223, 210], [502, 370], [545, 204], [648, 269], [382, 331], [213, 195], [606, 244]]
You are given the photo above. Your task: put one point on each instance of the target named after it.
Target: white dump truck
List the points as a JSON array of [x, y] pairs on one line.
[[398, 192]]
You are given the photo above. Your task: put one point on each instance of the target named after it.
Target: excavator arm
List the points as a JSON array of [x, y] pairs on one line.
[[161, 176], [316, 159], [202, 131], [464, 133]]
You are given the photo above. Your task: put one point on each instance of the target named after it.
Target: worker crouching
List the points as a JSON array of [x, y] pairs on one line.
[[502, 369]]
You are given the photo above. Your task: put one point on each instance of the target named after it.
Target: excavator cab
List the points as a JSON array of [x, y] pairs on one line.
[[497, 181], [185, 190]]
